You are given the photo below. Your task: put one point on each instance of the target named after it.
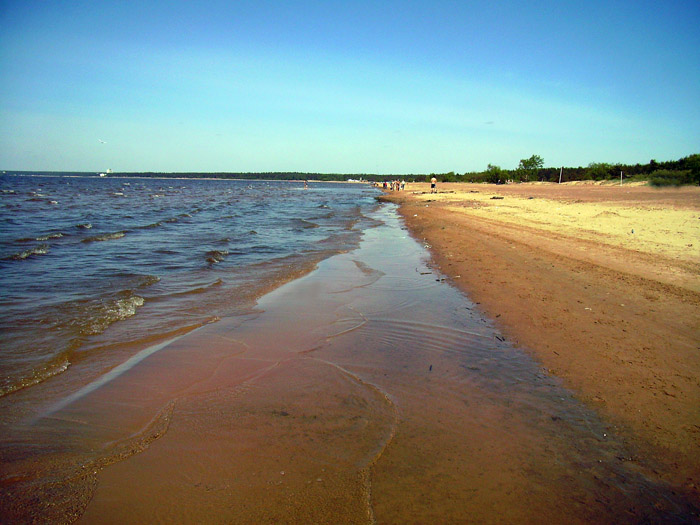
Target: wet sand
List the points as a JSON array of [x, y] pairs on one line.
[[370, 390], [601, 283]]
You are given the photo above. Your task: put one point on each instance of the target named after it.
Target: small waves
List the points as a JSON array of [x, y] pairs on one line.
[[265, 249], [44, 341], [153, 225], [50, 236], [203, 241], [87, 317], [47, 237], [97, 318], [123, 308], [133, 281], [147, 280], [303, 224], [42, 249], [216, 256], [36, 376], [170, 220], [192, 291], [105, 237]]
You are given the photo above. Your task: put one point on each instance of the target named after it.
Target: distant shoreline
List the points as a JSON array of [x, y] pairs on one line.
[[277, 176], [114, 176]]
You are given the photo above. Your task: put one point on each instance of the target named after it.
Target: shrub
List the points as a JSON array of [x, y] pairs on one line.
[[671, 178]]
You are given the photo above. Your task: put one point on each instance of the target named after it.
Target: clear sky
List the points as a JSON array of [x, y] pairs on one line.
[[345, 87]]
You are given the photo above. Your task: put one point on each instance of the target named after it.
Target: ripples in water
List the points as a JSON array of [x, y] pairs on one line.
[[72, 285]]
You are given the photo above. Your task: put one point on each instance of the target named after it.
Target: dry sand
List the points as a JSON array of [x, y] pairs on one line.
[[600, 282]]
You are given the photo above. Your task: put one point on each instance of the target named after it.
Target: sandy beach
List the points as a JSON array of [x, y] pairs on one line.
[[371, 390], [600, 283]]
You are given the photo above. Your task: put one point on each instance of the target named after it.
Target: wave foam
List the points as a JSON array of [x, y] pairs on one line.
[[215, 256], [36, 250], [105, 237], [112, 312], [37, 376], [50, 236]]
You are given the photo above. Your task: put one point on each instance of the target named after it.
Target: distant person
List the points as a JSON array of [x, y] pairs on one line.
[[433, 185], [403, 185], [306, 184]]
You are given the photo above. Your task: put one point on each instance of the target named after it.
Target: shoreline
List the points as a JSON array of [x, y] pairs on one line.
[[616, 316], [366, 390], [58, 337]]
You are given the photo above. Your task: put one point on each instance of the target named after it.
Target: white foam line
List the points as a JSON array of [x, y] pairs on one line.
[[112, 374]]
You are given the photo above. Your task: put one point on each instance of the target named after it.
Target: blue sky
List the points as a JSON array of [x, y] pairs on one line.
[[345, 87]]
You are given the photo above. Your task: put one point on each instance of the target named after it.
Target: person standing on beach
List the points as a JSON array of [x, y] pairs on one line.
[[433, 185]]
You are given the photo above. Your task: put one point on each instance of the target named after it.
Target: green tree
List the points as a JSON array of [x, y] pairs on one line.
[[692, 163], [599, 171], [494, 174], [529, 167]]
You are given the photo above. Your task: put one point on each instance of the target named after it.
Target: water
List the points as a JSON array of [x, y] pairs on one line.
[[90, 266]]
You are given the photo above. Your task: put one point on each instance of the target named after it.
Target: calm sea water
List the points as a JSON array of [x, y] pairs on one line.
[[90, 265]]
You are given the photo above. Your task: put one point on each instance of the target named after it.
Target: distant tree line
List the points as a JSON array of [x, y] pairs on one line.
[[675, 172]]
